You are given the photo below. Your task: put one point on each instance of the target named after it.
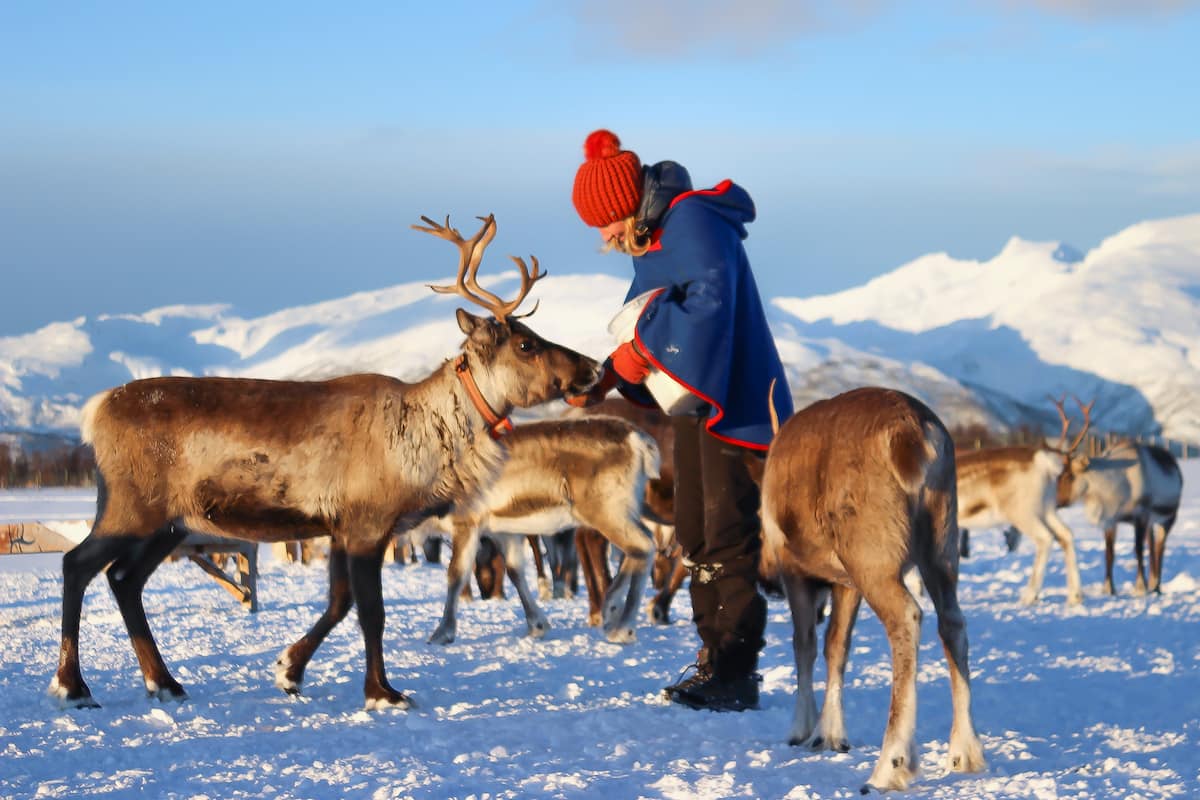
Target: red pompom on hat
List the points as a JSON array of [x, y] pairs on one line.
[[608, 184]]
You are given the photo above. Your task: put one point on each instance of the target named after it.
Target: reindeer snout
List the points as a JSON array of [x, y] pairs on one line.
[[586, 377]]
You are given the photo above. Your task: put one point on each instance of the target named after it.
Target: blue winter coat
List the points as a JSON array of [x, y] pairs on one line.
[[707, 328]]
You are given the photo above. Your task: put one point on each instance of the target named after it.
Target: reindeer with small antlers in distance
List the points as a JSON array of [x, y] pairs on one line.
[[1140, 484], [1003, 486], [355, 458]]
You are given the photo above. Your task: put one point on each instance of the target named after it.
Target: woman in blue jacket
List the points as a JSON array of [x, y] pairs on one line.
[[704, 326]]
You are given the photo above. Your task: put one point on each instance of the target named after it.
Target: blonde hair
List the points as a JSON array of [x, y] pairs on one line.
[[630, 243]]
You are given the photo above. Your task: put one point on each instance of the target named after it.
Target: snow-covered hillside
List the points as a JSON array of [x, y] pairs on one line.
[[981, 342], [1120, 324]]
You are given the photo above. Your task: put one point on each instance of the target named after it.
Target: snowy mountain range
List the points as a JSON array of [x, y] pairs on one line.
[[980, 341]]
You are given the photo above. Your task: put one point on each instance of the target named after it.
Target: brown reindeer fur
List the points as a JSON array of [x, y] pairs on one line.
[[856, 489], [669, 570], [355, 458], [1014, 486], [559, 474]]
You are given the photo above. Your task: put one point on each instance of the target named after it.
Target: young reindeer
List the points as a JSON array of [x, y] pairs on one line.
[[857, 489], [1015, 486], [1136, 483], [668, 571], [354, 458], [559, 474]]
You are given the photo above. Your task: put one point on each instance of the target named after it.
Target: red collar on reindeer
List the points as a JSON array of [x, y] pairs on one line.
[[498, 426]]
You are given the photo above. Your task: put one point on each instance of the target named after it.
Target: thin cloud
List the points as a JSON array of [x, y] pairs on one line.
[[1099, 10], [671, 28]]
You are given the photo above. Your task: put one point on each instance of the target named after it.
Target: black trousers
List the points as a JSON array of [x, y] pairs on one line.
[[717, 525]]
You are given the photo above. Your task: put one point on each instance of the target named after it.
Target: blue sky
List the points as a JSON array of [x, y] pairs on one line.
[[269, 154]]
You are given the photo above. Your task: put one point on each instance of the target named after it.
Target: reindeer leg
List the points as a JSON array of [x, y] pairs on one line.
[[1041, 536], [660, 607], [565, 570], [801, 595], [1066, 540], [127, 578], [831, 728], [80, 565], [466, 542], [1158, 548], [1139, 547], [1110, 542], [623, 598], [941, 581], [545, 591], [556, 561], [366, 583], [891, 601], [290, 666], [593, 559], [514, 565]]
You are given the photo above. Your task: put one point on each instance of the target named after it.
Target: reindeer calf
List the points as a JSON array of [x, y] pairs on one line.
[[559, 474], [856, 489]]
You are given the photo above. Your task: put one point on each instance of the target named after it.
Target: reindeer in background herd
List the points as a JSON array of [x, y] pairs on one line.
[[355, 458], [1128, 482], [1017, 486]]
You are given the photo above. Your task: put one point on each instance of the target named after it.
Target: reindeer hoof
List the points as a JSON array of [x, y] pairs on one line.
[[80, 698], [1029, 598], [441, 636], [287, 676], [393, 700], [165, 694], [659, 615], [621, 635], [967, 757], [537, 630]]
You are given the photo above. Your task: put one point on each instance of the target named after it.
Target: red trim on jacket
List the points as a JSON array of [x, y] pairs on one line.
[[720, 188], [711, 421], [656, 237]]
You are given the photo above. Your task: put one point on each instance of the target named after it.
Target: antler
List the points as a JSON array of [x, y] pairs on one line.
[[1087, 421], [470, 256], [1066, 423]]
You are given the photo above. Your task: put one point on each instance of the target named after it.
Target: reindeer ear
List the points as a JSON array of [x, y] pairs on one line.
[[480, 329], [468, 322]]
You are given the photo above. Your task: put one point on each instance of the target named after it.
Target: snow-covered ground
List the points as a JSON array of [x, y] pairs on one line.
[[1097, 702]]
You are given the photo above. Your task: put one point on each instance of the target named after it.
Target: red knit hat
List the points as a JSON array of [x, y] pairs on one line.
[[608, 184]]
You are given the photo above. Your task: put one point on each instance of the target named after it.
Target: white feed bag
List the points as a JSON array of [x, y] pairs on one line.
[[670, 395]]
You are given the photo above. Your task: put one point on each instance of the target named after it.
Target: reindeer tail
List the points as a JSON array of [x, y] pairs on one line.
[[87, 420]]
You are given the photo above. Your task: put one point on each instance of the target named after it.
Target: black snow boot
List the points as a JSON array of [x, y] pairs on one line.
[[701, 672], [732, 688], [715, 694]]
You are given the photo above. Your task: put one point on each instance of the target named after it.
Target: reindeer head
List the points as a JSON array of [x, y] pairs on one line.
[[513, 366], [1070, 483]]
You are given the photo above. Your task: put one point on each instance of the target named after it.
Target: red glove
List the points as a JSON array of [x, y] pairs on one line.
[[608, 380], [629, 362]]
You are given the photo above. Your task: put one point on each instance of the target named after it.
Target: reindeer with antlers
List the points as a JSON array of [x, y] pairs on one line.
[[1128, 482], [355, 458], [1015, 486]]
